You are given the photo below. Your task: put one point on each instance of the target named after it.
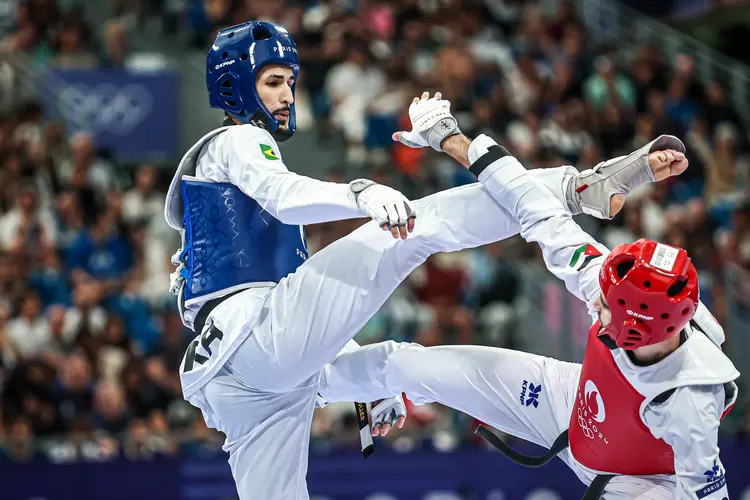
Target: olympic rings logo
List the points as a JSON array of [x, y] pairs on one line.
[[106, 107], [584, 426]]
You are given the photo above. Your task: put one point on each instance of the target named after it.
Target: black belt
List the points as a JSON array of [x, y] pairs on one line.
[[595, 489], [205, 310]]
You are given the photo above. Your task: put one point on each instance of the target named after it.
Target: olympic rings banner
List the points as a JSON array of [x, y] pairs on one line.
[[132, 114]]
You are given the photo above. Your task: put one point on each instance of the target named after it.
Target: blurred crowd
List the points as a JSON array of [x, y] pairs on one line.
[[91, 339]]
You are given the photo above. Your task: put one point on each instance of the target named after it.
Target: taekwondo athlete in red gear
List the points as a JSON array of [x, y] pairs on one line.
[[268, 317], [678, 383], [654, 384]]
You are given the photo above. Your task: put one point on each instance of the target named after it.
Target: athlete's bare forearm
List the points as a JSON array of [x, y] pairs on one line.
[[457, 147]]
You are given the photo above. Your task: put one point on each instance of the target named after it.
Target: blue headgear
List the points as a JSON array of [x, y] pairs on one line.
[[232, 65]]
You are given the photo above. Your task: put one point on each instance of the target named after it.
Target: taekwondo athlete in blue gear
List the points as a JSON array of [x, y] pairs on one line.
[[268, 318]]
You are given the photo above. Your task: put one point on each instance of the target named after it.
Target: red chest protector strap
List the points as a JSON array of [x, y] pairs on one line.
[[595, 489], [559, 445]]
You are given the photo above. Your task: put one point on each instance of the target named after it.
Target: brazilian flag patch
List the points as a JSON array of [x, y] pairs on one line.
[[268, 152], [583, 256]]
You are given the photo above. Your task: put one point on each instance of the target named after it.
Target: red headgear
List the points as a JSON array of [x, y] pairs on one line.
[[651, 290]]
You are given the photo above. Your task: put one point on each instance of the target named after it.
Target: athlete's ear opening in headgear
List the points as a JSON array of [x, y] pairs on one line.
[[232, 67], [651, 290]]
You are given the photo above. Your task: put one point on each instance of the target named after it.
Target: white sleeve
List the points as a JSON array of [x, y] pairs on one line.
[[255, 166], [689, 422], [569, 252]]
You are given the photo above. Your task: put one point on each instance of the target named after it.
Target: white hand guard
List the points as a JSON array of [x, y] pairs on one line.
[[431, 122], [385, 205], [388, 411]]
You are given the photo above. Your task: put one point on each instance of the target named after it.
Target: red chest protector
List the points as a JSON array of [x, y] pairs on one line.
[[606, 431]]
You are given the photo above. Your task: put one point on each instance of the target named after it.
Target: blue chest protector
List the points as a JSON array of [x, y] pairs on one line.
[[231, 241]]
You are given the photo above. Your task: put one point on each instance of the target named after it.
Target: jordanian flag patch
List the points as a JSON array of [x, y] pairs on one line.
[[583, 256], [268, 152]]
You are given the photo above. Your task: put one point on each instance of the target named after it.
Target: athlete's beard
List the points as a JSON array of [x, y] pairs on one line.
[[282, 132], [283, 121]]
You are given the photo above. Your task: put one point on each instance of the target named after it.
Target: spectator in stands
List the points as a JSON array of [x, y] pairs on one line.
[[566, 139], [142, 201], [609, 86], [49, 280], [87, 316], [110, 411], [26, 228], [172, 343], [28, 333], [63, 335], [699, 231], [28, 39], [136, 313], [19, 441], [631, 230], [85, 170], [115, 46], [70, 217], [494, 289], [657, 111], [142, 444], [442, 286], [74, 388], [737, 247], [717, 110], [102, 251], [679, 107], [73, 44]]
